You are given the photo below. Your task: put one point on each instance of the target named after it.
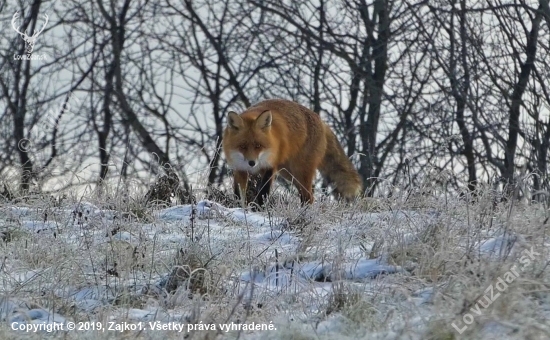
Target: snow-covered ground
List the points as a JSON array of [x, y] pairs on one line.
[[329, 271]]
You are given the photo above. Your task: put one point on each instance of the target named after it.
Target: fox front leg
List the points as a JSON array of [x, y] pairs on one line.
[[240, 181], [265, 186]]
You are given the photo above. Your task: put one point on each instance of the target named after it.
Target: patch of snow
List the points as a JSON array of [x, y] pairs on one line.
[[314, 270], [125, 236], [38, 226], [98, 293], [35, 316], [23, 276], [7, 307], [88, 305], [176, 213], [423, 296], [19, 211], [204, 209], [250, 218], [497, 246], [369, 269], [86, 208], [144, 315], [279, 236]]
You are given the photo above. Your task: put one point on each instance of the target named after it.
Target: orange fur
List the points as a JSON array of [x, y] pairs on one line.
[[280, 136]]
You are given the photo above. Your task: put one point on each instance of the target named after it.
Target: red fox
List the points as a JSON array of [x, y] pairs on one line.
[[281, 136]]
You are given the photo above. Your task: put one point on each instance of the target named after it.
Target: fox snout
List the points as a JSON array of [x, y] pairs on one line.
[[239, 161], [253, 163], [249, 163]]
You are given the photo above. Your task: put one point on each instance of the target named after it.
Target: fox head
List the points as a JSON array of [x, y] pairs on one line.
[[247, 141]]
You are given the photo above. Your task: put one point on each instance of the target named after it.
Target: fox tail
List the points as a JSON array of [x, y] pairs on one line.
[[337, 170]]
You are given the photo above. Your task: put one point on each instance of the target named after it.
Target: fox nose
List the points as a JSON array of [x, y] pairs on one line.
[[251, 163]]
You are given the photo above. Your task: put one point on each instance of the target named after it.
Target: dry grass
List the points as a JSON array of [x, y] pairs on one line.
[[191, 270]]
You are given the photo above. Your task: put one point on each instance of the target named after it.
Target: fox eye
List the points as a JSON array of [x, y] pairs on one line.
[[242, 147], [257, 146]]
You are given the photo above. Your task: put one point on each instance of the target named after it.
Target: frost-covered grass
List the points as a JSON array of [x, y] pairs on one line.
[[405, 267]]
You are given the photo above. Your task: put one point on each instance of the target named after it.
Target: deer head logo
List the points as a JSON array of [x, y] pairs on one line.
[[29, 41]]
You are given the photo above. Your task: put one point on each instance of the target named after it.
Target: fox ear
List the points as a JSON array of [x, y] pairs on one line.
[[264, 120], [234, 121]]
